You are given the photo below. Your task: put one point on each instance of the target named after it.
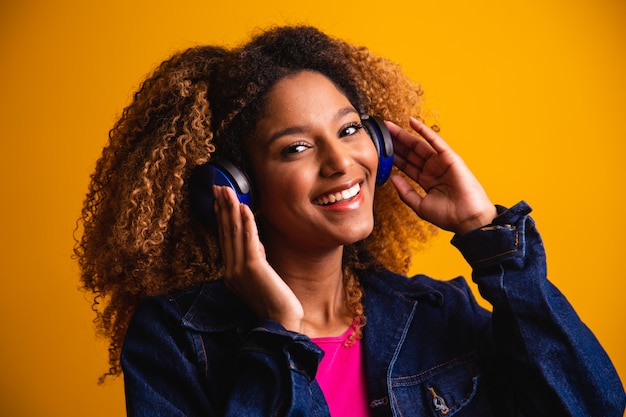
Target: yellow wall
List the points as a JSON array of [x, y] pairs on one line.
[[531, 93]]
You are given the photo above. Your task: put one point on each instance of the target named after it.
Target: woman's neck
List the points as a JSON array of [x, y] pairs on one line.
[[317, 281]]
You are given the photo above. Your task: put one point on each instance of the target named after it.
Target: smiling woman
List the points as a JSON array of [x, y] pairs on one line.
[[270, 311], [320, 166]]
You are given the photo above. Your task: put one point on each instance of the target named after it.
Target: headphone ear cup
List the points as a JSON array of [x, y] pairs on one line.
[[219, 172], [381, 137]]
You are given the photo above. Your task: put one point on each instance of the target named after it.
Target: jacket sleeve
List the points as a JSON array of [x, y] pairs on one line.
[[552, 363], [271, 374]]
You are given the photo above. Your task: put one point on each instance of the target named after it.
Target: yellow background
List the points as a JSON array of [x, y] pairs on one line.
[[530, 93]]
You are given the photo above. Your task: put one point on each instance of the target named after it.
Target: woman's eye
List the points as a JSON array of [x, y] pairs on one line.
[[295, 149], [351, 129]]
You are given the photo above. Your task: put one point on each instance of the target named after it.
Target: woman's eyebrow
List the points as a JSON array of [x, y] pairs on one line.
[[294, 130]]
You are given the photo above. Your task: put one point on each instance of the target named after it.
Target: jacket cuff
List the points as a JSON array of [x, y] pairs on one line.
[[502, 240]]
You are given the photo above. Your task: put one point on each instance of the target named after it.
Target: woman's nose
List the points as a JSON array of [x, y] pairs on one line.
[[335, 159]]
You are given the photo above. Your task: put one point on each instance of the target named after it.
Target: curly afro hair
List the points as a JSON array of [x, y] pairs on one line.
[[140, 236]]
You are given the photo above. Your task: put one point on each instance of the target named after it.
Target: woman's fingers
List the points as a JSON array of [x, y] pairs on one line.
[[454, 198], [230, 228], [407, 193], [411, 152], [434, 140], [253, 249], [407, 145]]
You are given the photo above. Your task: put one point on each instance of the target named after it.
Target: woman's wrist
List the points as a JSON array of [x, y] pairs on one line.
[[483, 218]]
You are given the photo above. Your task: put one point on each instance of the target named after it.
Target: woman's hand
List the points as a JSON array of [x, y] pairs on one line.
[[247, 272], [454, 200]]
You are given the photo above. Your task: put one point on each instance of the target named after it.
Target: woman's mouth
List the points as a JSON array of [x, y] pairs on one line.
[[336, 197]]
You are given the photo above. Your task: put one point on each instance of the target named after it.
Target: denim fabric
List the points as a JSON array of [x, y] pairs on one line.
[[429, 349]]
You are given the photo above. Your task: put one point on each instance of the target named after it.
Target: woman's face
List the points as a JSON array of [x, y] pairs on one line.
[[314, 166]]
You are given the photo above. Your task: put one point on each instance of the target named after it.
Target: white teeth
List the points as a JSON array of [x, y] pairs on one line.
[[339, 196]]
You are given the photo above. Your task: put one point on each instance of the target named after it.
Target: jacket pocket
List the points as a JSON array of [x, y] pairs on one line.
[[449, 389]]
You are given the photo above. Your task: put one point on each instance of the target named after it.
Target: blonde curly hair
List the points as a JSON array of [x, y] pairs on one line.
[[140, 236]]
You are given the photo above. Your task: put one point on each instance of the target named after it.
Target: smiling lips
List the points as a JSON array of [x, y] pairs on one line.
[[338, 196]]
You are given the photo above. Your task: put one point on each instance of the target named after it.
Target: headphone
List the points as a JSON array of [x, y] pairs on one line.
[[223, 172]]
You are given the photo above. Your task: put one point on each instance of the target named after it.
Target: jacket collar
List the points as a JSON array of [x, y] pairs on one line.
[[390, 284], [212, 307]]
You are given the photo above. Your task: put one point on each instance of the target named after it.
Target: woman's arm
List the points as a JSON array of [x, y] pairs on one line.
[[550, 361]]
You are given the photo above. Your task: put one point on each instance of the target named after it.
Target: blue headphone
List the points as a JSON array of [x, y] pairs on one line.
[[223, 172]]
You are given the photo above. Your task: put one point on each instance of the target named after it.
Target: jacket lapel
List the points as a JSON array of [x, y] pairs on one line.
[[388, 315]]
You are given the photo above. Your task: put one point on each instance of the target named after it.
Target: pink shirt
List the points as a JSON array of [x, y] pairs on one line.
[[341, 376]]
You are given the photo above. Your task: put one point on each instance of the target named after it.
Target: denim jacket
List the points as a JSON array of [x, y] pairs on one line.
[[428, 348]]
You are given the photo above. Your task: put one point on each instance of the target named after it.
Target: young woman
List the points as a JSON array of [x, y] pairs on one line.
[[295, 303]]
